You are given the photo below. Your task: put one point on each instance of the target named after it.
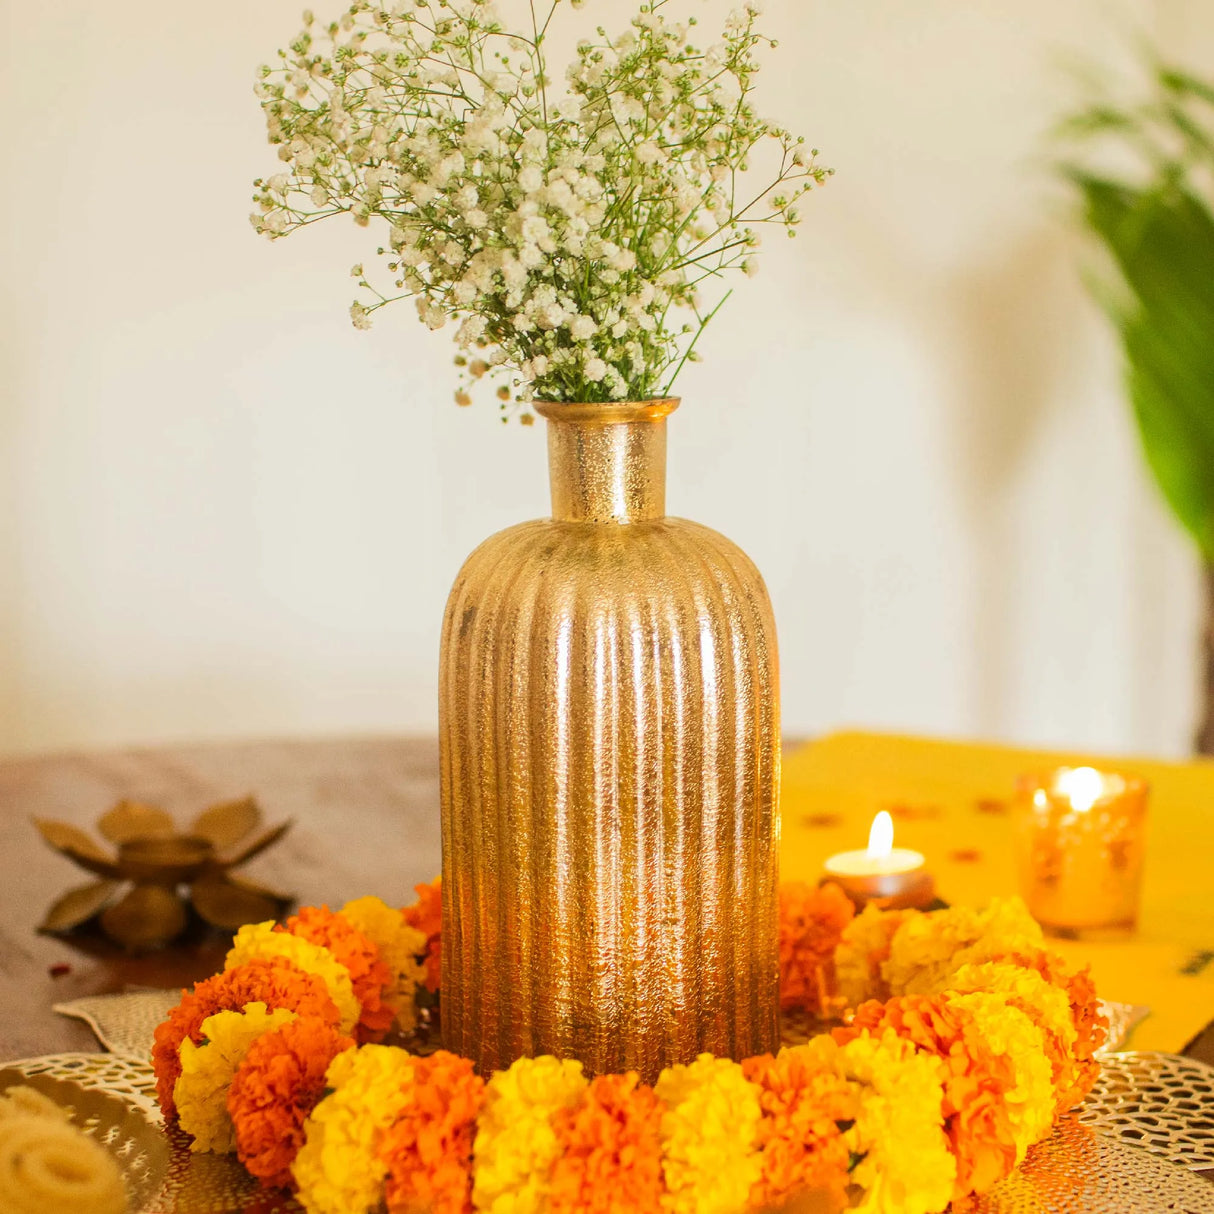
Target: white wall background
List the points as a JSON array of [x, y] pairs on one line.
[[224, 512]]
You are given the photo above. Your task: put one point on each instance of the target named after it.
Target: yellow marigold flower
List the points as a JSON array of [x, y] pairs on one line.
[[516, 1144], [1007, 1030], [863, 950], [926, 949], [1046, 1005], [207, 1071], [907, 1167], [338, 1168], [399, 947], [710, 1154], [261, 940], [1026, 987]]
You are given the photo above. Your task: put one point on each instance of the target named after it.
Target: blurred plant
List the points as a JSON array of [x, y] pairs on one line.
[[571, 226], [1145, 175]]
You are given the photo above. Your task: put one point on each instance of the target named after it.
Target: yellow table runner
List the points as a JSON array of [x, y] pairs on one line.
[[949, 800]]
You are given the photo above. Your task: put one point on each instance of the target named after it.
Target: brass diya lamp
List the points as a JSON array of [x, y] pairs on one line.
[[155, 872]]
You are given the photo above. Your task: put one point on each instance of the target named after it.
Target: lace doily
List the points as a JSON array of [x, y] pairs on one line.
[[113, 1099]]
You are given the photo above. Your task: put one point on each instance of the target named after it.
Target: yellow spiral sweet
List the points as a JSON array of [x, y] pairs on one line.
[[48, 1165]]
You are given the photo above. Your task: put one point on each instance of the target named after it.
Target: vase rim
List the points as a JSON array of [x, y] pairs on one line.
[[606, 412]]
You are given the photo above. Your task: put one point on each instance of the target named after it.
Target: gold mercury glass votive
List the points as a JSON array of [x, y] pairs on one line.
[[1080, 843]]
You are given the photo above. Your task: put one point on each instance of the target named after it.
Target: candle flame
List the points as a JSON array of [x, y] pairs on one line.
[[881, 836], [1082, 786]]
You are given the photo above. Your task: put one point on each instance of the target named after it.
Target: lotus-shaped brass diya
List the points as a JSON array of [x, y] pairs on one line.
[[161, 868]]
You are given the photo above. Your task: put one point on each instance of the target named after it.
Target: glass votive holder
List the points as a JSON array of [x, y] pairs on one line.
[[1080, 845]]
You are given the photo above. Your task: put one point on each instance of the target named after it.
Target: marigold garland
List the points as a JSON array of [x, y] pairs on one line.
[[266, 940], [516, 1142], [275, 1089], [610, 1144], [862, 953], [1045, 1005], [426, 916], [208, 1068], [805, 1107], [926, 948], [1010, 1033], [359, 956], [710, 1136], [338, 1169], [1091, 1026], [976, 1080], [399, 946], [905, 1163], [932, 1091], [812, 921], [428, 1151], [273, 980]]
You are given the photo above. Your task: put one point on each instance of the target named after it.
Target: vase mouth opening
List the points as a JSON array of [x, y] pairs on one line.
[[605, 413]]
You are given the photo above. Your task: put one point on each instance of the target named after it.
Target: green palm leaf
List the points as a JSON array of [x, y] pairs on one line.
[[1161, 238]]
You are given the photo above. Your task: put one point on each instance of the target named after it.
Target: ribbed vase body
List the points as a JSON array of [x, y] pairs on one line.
[[609, 730]]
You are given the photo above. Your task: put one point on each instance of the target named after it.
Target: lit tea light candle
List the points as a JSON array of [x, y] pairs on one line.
[[1083, 787], [1080, 837], [890, 877]]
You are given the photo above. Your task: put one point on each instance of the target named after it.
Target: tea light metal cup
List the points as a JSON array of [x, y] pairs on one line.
[[889, 877]]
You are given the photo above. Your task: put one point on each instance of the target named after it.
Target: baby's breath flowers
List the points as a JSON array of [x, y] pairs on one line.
[[574, 230]]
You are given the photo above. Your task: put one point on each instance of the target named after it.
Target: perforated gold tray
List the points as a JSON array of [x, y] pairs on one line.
[[1087, 1167], [1080, 1171], [114, 1120]]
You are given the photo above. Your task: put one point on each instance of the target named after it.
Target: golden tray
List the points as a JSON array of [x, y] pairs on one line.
[[1134, 1148], [110, 1117]]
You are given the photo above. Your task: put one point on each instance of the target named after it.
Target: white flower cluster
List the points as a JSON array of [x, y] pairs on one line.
[[569, 231]]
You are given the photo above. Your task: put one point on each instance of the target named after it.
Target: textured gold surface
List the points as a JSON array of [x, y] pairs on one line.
[[609, 733]]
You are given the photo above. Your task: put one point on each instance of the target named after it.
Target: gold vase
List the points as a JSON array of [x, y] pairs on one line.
[[609, 729]]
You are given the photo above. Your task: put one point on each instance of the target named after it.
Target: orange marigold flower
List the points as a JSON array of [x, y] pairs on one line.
[[812, 919], [426, 914], [1091, 1026], [269, 980], [276, 1087], [611, 1150], [976, 1080], [800, 1137], [428, 1149], [368, 973]]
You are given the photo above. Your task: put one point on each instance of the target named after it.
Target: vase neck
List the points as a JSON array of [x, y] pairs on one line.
[[607, 462]]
